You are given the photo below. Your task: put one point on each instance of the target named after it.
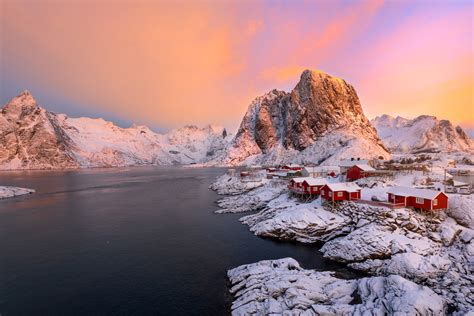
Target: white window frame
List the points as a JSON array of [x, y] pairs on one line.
[[330, 193], [419, 200], [435, 202], [339, 194]]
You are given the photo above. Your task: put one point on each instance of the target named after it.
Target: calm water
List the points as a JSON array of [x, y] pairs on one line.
[[125, 241]]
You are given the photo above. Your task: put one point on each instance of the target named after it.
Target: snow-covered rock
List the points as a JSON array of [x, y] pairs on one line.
[[422, 134], [283, 287], [375, 242], [303, 222], [461, 208], [232, 184], [6, 192]]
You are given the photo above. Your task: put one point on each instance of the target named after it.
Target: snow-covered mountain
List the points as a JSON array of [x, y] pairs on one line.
[[320, 121], [422, 134], [33, 138]]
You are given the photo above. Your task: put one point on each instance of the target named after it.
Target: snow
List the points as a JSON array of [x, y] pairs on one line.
[[6, 192], [422, 134], [101, 143]]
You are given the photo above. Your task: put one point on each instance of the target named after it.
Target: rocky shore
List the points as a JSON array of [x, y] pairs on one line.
[[425, 255]]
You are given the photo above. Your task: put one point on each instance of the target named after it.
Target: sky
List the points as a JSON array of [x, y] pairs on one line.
[[170, 63]]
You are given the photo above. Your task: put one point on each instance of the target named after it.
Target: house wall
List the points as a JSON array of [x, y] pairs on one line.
[[354, 173], [398, 199], [355, 195], [442, 202]]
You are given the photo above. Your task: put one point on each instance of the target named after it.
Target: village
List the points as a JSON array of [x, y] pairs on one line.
[[358, 180], [409, 217]]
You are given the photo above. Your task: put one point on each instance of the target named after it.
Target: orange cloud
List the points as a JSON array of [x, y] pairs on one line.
[[154, 63]]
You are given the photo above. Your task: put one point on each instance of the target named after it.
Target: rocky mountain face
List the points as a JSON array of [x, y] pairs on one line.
[[320, 120], [33, 138], [423, 134]]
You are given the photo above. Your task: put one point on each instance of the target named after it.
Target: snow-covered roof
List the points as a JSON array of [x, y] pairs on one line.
[[457, 183], [292, 165], [365, 167], [321, 169], [343, 186], [316, 181], [301, 179], [350, 163], [414, 192]]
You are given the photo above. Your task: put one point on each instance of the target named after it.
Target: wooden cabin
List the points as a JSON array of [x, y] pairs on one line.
[[345, 191], [359, 171], [428, 200], [312, 186]]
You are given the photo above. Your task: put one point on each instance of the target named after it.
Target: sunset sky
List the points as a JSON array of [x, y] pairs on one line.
[[170, 63]]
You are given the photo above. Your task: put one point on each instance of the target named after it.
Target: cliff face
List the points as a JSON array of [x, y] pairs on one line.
[[320, 110], [422, 134]]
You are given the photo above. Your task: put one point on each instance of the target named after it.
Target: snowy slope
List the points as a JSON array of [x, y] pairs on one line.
[[422, 134]]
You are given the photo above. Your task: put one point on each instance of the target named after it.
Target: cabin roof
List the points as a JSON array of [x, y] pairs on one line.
[[301, 179], [316, 181], [322, 169], [343, 186], [414, 192], [365, 167]]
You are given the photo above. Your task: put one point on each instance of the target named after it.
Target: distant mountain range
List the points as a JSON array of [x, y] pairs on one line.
[[33, 138], [423, 134], [319, 121]]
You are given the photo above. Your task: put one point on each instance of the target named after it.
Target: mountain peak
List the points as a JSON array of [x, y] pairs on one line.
[[21, 105], [315, 111]]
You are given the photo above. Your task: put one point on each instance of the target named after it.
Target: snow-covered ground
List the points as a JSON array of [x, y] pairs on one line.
[[6, 192], [432, 251]]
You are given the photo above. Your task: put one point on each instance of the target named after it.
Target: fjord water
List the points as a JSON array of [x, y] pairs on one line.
[[125, 241]]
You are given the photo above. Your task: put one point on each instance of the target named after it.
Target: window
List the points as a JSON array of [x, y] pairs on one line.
[[330, 193], [435, 202], [339, 194], [419, 200]]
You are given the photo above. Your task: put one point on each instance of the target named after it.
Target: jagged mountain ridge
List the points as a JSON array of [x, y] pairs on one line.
[[422, 134], [320, 121], [33, 138]]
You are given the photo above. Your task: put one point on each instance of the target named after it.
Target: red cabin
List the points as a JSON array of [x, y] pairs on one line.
[[313, 186], [359, 171], [345, 191], [428, 200], [296, 185]]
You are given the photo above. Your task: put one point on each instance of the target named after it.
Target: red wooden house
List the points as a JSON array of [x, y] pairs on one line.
[[424, 199], [296, 185], [345, 191], [359, 171], [312, 186]]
